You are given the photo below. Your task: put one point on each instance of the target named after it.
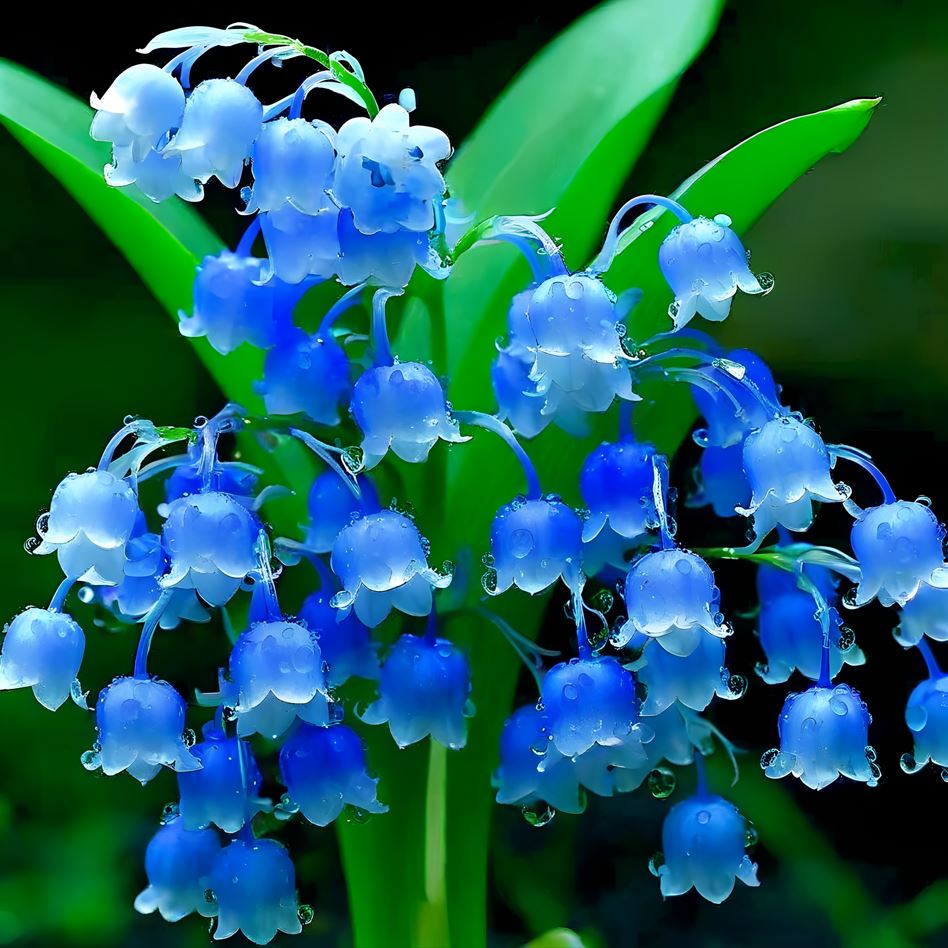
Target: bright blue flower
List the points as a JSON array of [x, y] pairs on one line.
[[670, 595], [140, 727], [386, 259], [209, 538], [517, 400], [309, 374], [671, 739], [332, 506], [42, 650], [791, 634], [345, 643], [228, 477], [534, 543], [233, 303], [401, 407], [222, 120], [141, 106], [276, 668], [759, 397], [705, 264], [616, 484], [254, 884], [388, 172], [693, 679], [302, 245], [722, 482], [572, 337], [926, 715], [225, 790], [824, 733], [178, 865], [324, 770], [423, 689], [788, 467], [382, 563], [703, 839], [91, 518], [158, 175], [292, 164], [899, 545], [589, 701], [519, 781], [608, 769], [926, 613]]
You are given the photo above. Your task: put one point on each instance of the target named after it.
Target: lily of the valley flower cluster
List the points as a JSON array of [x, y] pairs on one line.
[[363, 206]]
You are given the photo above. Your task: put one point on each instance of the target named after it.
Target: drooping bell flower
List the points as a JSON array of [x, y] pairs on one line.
[[254, 886], [345, 644], [703, 843], [926, 714], [671, 596], [616, 484], [925, 614], [899, 546], [324, 770], [178, 864], [140, 726], [424, 689], [381, 562]]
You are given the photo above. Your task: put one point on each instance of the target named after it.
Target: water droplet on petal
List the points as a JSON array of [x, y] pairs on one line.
[[661, 783], [538, 813]]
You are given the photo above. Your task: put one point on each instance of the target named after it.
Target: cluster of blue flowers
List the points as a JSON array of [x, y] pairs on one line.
[[364, 205]]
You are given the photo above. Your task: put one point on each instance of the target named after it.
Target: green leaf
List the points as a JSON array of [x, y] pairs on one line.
[[163, 242], [557, 938]]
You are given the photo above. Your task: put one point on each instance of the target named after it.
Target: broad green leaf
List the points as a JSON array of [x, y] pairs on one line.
[[163, 242], [482, 475]]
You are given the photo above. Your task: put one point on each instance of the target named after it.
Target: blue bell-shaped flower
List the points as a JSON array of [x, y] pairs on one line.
[[388, 259], [517, 400], [533, 543], [276, 668], [401, 407], [704, 839], [381, 561], [824, 733], [209, 538], [670, 596], [705, 264], [302, 245], [589, 701], [388, 173], [158, 175], [345, 644], [899, 545], [233, 303], [225, 790], [616, 484], [254, 884], [926, 715], [292, 164], [222, 119], [788, 467], [926, 613], [332, 506], [178, 864], [519, 781], [324, 770], [308, 374], [790, 631], [423, 689], [140, 727], [142, 105], [614, 768], [722, 483], [42, 650], [91, 518], [692, 679], [671, 738]]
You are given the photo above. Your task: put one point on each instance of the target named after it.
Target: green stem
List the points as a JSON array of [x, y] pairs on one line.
[[433, 930]]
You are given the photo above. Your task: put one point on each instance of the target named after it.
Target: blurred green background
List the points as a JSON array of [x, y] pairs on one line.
[[857, 329]]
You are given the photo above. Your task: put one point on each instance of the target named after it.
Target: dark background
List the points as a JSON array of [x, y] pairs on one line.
[[857, 330]]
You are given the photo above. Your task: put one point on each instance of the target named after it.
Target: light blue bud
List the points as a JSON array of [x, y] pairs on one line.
[[158, 175], [301, 245]]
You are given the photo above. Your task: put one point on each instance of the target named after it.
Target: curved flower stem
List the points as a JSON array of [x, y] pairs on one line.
[[823, 614], [701, 775], [339, 72], [866, 463], [693, 720], [325, 453], [925, 650], [150, 623], [133, 427], [245, 244], [522, 232], [266, 579], [59, 597], [579, 614], [186, 61], [528, 652], [609, 246], [280, 52], [345, 302], [480, 419], [380, 339], [659, 493], [787, 558]]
